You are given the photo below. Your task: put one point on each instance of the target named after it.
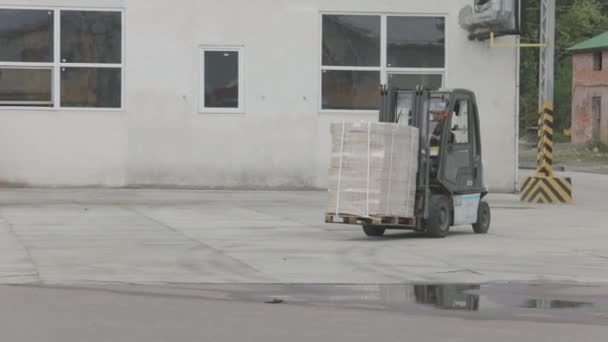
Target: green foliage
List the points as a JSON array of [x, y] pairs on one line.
[[577, 20], [559, 137]]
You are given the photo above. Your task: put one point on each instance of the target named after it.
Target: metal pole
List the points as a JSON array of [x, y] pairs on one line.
[[544, 187], [547, 52], [546, 89]]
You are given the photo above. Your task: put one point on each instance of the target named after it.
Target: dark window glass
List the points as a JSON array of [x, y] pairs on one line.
[[351, 40], [221, 79], [408, 82], [91, 37], [351, 89], [598, 61], [416, 42], [481, 2], [26, 35], [20, 86], [91, 87]]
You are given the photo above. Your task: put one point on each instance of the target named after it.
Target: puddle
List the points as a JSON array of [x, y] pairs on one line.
[[452, 297], [578, 304], [458, 297], [554, 304]]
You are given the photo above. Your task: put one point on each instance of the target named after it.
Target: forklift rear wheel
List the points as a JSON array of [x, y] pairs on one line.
[[373, 230], [438, 224], [483, 219]]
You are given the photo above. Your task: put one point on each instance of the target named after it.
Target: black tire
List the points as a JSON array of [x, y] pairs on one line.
[[374, 231], [440, 220], [484, 217]]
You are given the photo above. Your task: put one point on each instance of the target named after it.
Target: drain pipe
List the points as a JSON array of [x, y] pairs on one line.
[[517, 111]]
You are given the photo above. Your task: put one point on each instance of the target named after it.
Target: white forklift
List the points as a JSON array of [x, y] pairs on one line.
[[449, 183]]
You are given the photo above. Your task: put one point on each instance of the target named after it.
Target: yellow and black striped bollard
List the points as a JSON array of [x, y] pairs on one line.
[[544, 187]]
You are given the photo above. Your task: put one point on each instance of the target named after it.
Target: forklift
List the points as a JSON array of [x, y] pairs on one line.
[[450, 186]]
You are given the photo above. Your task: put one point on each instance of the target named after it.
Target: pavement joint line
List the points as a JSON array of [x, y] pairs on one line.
[[198, 242], [460, 271], [28, 252], [473, 271], [599, 256], [130, 292], [18, 275]]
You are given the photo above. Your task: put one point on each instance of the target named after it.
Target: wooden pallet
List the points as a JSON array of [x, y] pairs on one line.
[[373, 219]]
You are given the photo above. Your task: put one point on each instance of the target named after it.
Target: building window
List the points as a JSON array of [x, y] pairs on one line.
[[221, 80], [598, 61], [26, 86], [360, 52], [596, 108], [61, 58], [26, 57]]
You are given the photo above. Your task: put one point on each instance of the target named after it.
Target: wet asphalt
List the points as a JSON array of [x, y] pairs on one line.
[[292, 312]]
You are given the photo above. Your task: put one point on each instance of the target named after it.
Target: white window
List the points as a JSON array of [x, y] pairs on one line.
[[360, 52], [61, 58], [221, 83]]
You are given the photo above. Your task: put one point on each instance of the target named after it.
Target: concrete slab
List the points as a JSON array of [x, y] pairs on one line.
[[80, 236]]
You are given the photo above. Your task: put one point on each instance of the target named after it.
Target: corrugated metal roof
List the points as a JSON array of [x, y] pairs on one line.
[[595, 43]]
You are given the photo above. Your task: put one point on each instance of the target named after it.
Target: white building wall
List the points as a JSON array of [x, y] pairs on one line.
[[280, 141]]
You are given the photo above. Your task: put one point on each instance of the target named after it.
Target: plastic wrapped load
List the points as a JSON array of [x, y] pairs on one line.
[[373, 169]]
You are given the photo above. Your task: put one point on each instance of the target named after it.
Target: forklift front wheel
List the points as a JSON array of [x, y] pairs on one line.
[[483, 219], [440, 220], [370, 230]]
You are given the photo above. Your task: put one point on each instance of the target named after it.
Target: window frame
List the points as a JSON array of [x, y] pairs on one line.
[[57, 65], [383, 69], [240, 49]]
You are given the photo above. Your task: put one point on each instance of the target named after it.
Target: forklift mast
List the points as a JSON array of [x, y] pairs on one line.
[[398, 106]]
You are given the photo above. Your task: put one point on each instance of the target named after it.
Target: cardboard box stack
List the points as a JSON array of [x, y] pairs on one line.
[[373, 169]]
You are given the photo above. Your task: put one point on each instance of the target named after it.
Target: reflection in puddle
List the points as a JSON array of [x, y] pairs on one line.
[[509, 301], [466, 298], [448, 297], [483, 301], [554, 304]]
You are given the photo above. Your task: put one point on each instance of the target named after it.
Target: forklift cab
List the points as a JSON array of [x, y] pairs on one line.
[[450, 183], [456, 155]]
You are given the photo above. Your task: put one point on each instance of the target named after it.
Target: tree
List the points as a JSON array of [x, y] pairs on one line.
[[576, 21]]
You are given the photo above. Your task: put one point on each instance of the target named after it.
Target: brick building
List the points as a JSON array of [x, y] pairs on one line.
[[590, 91]]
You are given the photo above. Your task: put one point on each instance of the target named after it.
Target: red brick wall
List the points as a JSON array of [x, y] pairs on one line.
[[586, 84]]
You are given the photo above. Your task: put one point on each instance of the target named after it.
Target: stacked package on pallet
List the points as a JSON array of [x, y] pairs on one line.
[[373, 169]]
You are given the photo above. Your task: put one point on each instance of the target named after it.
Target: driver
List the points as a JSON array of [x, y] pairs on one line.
[[438, 117]]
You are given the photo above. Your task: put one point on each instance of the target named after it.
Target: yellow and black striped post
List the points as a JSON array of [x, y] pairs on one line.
[[544, 187]]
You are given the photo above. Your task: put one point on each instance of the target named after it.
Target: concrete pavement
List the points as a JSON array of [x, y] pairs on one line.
[[163, 236]]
